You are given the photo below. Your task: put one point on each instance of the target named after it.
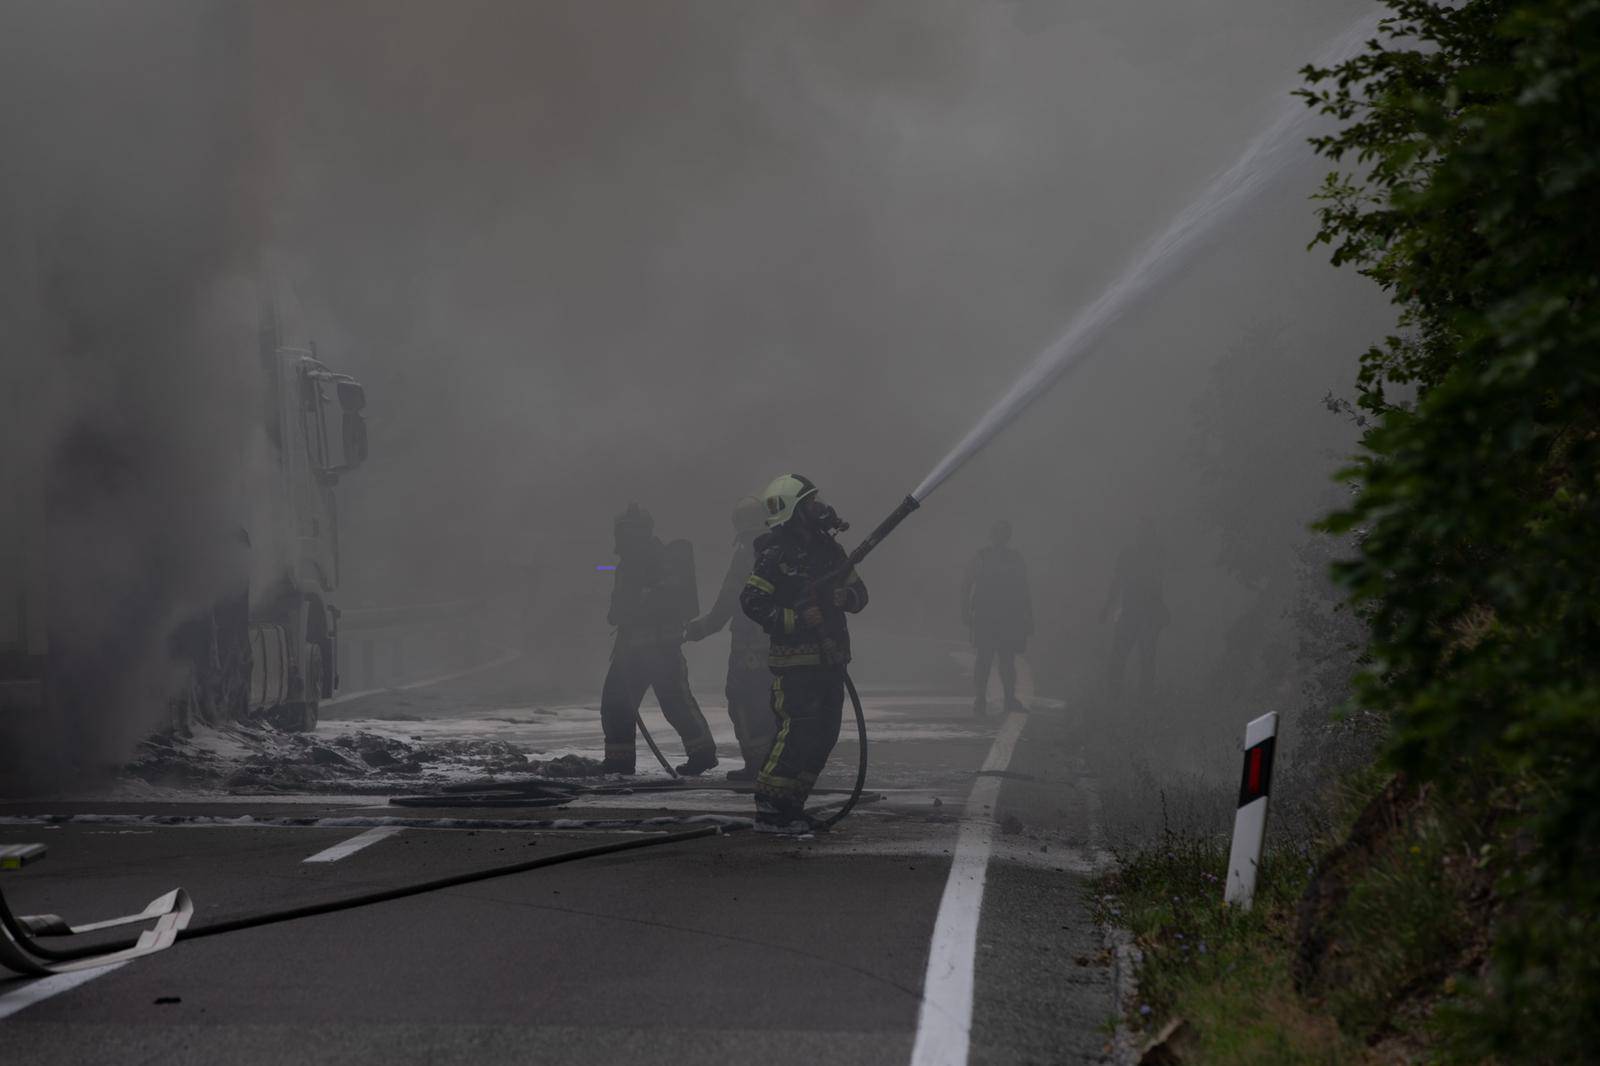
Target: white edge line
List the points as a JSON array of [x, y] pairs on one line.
[[944, 1022], [45, 987], [346, 848]]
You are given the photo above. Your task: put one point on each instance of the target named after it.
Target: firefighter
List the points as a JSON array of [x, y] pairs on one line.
[[749, 687], [1138, 602], [996, 606], [653, 595], [796, 594]]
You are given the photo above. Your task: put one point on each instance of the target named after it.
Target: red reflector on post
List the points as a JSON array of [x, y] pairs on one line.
[[1250, 820], [1257, 777]]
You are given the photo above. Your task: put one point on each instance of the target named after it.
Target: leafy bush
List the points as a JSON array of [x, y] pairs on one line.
[[1471, 136]]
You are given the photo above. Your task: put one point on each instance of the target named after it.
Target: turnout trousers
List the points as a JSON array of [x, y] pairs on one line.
[[1007, 661], [636, 669], [749, 695], [808, 703]]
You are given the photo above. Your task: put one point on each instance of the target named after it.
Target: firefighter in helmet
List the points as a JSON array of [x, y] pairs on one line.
[[653, 596], [749, 687], [798, 594]]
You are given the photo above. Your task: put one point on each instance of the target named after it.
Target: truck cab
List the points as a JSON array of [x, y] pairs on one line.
[[315, 434], [267, 648]]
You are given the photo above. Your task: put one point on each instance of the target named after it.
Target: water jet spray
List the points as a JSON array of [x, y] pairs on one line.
[[1263, 159]]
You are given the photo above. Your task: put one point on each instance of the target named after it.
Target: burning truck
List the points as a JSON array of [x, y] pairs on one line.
[[267, 648]]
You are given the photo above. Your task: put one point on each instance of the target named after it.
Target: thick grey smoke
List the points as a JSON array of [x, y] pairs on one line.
[[586, 253], [592, 253], [123, 269]]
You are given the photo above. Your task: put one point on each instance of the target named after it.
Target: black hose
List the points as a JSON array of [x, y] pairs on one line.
[[861, 759], [638, 721], [366, 899], [29, 944], [252, 921]]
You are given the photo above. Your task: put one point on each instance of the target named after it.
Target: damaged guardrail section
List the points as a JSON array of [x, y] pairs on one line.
[[20, 951]]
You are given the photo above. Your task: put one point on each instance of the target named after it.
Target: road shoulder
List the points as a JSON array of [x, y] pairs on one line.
[[1046, 982]]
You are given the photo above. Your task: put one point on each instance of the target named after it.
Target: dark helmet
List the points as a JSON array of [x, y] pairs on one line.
[[632, 524]]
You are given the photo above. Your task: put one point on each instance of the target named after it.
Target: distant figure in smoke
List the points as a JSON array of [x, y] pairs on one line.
[[1140, 607], [749, 687], [996, 607], [653, 596], [810, 645]]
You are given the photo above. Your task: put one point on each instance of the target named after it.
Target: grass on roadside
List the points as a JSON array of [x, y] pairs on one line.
[[1226, 972], [1402, 911]]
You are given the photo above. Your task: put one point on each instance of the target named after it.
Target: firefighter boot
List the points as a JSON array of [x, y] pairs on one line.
[[781, 819], [698, 764]]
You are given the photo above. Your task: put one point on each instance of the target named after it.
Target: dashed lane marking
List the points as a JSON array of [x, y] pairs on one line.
[[944, 1023], [346, 848]]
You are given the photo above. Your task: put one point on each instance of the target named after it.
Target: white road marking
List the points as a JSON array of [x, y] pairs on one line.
[[205, 821], [346, 848], [45, 987], [944, 1024]]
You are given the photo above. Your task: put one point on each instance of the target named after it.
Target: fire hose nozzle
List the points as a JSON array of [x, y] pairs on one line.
[[885, 527]]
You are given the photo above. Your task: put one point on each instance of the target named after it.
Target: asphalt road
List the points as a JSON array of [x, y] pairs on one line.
[[735, 948]]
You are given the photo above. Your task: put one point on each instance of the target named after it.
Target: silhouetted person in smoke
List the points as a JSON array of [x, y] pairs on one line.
[[749, 687], [652, 598], [1137, 597], [996, 606]]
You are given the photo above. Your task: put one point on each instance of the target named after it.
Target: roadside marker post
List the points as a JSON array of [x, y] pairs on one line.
[[1250, 821]]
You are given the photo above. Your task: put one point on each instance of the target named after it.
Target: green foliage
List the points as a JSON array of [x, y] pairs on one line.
[[1406, 925], [1471, 134], [1409, 919]]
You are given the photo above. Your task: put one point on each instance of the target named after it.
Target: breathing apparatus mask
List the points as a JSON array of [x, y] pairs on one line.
[[823, 518]]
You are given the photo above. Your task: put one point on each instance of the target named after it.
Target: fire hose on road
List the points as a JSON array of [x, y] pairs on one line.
[[22, 948], [1232, 191], [22, 938]]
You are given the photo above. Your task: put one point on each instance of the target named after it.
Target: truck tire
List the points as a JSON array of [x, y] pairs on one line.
[[300, 716], [307, 722]]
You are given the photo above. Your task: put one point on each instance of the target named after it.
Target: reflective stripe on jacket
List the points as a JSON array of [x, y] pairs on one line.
[[780, 588]]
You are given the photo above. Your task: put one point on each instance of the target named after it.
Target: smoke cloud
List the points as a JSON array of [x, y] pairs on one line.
[[583, 254], [126, 239]]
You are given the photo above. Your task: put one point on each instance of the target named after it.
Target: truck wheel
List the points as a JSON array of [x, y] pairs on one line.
[[300, 716], [313, 689]]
